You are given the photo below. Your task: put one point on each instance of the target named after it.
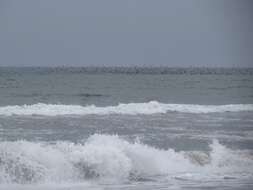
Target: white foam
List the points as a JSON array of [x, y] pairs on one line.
[[148, 108], [110, 157]]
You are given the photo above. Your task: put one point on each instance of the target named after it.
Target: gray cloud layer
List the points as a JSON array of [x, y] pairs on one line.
[[114, 32]]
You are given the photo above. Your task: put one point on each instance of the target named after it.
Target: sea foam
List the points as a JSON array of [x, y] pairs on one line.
[[111, 157], [148, 108]]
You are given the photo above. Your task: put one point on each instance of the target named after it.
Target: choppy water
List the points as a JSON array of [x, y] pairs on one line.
[[119, 128]]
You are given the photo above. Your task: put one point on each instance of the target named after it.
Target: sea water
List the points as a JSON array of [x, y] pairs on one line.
[[126, 128]]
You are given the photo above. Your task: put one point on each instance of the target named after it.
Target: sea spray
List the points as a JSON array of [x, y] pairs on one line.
[[113, 158]]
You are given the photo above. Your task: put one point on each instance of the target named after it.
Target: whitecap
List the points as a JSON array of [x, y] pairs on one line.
[[148, 108]]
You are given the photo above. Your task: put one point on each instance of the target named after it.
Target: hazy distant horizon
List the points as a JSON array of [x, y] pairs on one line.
[[129, 66]]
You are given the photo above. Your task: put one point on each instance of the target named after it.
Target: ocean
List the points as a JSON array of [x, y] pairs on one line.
[[126, 128]]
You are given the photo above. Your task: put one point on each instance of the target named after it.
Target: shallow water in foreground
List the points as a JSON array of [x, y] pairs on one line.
[[127, 151]]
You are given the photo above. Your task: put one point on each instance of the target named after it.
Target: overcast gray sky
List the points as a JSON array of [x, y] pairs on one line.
[[126, 33]]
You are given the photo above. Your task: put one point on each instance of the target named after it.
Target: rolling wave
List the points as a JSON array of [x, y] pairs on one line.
[[148, 108], [111, 157]]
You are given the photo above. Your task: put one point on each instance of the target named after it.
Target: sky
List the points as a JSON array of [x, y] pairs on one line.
[[173, 33]]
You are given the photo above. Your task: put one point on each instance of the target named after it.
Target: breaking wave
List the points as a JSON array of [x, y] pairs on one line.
[[111, 157], [148, 108]]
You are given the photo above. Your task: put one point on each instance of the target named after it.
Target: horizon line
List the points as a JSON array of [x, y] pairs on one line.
[[154, 67]]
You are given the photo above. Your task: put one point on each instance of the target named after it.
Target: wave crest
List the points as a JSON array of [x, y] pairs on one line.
[[148, 108], [110, 157]]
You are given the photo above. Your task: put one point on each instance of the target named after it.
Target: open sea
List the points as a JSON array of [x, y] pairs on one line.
[[126, 128]]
